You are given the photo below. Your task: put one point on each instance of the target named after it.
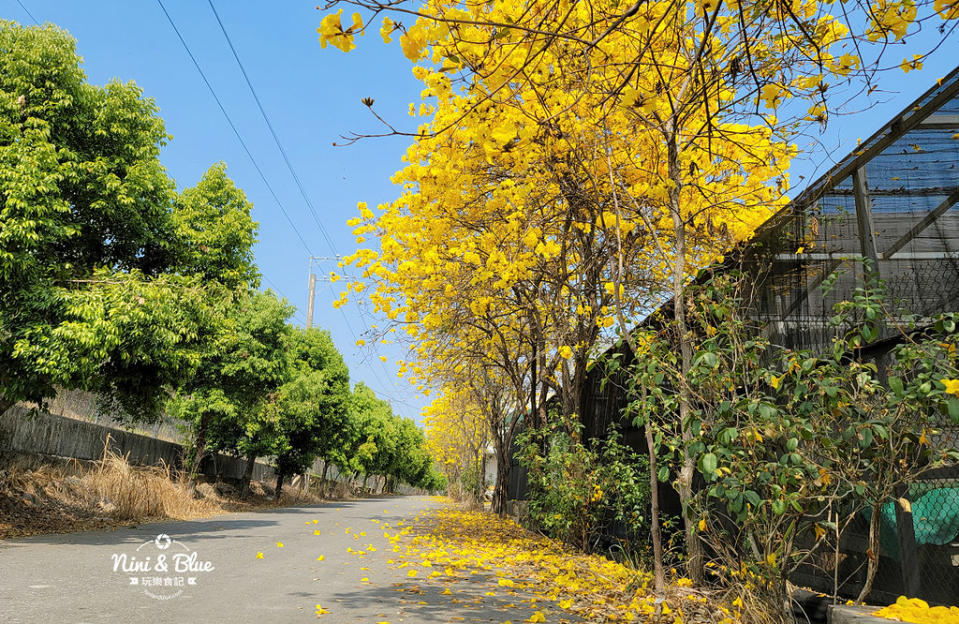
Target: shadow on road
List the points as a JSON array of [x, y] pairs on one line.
[[466, 600], [196, 529]]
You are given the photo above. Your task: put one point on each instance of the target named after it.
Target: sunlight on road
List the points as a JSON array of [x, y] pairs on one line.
[[450, 564]]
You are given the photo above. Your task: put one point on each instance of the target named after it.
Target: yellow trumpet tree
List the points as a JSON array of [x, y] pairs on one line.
[[579, 160], [457, 435]]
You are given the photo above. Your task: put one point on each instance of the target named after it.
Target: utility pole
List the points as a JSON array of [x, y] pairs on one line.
[[311, 295]]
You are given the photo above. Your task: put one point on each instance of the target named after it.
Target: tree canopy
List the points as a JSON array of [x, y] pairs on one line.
[[113, 281]]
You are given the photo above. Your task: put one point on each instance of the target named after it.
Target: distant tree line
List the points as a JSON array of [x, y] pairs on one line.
[[113, 281]]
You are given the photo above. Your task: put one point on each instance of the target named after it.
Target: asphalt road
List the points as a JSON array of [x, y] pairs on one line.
[[72, 578]]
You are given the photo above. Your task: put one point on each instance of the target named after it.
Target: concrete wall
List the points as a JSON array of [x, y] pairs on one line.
[[39, 433]]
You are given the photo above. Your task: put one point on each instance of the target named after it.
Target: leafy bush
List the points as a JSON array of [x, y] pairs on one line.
[[793, 445], [581, 493]]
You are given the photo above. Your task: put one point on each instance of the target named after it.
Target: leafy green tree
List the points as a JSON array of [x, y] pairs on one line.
[[322, 371], [139, 338], [215, 232], [384, 445], [248, 362], [85, 229], [411, 461], [371, 440], [312, 406]]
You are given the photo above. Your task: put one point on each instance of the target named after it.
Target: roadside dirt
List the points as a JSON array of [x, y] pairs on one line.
[[110, 493]]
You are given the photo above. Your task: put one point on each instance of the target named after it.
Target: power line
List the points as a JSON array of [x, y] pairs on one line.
[[276, 138], [292, 170], [289, 165], [233, 127], [346, 320], [27, 11]]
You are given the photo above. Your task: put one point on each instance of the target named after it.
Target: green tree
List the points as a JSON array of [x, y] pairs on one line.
[[373, 436], [215, 232], [312, 406], [322, 366], [85, 234], [247, 363], [411, 461]]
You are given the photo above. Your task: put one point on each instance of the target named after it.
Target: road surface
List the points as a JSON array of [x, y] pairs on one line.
[[80, 577]]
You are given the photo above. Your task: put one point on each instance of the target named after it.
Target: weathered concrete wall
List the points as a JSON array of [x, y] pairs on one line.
[[40, 433], [44, 434]]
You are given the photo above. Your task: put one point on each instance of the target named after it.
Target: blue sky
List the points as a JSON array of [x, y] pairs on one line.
[[312, 96]]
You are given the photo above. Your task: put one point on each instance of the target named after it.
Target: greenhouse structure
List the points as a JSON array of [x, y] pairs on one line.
[[887, 211]]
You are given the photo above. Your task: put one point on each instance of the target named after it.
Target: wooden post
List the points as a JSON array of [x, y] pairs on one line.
[[867, 236]]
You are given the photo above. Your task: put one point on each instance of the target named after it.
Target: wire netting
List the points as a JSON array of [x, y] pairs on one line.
[[893, 201], [888, 210]]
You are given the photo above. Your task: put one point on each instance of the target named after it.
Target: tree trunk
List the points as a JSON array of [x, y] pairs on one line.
[[659, 575], [279, 486], [366, 478], [694, 547], [247, 476], [872, 552], [481, 481], [533, 413], [502, 478], [197, 454], [5, 405], [326, 467]]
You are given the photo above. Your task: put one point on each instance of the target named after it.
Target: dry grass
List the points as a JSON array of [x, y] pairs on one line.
[[72, 496], [137, 493], [340, 490], [41, 497]]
